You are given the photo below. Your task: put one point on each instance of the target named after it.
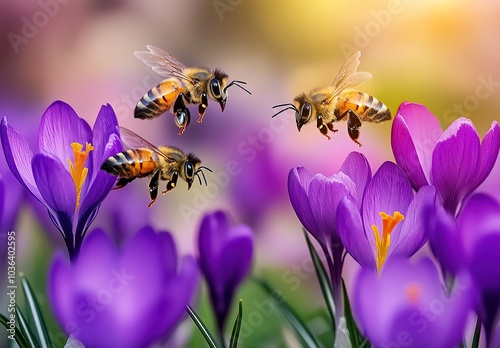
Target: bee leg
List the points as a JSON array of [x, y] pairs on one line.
[[122, 182], [173, 181], [353, 124], [182, 115], [331, 128], [202, 107], [323, 129], [153, 187]]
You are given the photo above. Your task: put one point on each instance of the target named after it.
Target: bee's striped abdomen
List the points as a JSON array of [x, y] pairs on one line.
[[134, 163], [367, 107], [158, 100]]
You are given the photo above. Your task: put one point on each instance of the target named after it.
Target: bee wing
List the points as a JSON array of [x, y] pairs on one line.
[[162, 63], [134, 141], [348, 76]]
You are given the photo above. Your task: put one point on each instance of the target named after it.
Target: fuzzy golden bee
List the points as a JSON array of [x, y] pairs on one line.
[[182, 86], [159, 163], [337, 102]]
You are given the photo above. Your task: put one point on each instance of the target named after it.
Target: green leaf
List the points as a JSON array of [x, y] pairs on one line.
[[324, 281], [203, 329], [300, 329], [357, 340], [233, 343], [25, 329], [34, 316], [477, 334], [19, 336]]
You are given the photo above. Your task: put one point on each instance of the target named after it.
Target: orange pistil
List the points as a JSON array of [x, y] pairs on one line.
[[78, 170], [383, 242], [413, 293]]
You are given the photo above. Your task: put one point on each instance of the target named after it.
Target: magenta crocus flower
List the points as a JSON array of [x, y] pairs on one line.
[[455, 161], [65, 173], [471, 243], [315, 199], [225, 260], [124, 298], [405, 305], [388, 222]]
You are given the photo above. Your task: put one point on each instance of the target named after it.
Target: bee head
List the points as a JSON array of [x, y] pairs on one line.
[[217, 89], [303, 111]]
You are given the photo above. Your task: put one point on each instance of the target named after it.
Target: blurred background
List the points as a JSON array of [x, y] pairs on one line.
[[444, 54]]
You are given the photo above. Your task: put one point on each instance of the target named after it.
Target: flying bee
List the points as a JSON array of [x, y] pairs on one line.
[[182, 86], [159, 163], [336, 102]]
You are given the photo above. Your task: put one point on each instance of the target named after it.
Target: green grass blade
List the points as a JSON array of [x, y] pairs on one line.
[[203, 329], [477, 334], [25, 329], [323, 279], [299, 328], [20, 338], [34, 315], [235, 334], [357, 340]]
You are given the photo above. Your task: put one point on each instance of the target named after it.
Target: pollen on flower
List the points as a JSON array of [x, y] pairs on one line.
[[77, 168], [413, 293], [382, 242]]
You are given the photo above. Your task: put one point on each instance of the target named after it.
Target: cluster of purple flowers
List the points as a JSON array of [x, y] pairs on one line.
[[105, 295], [384, 219]]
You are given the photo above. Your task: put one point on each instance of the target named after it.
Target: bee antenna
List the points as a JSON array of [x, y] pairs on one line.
[[289, 106], [236, 83], [202, 174]]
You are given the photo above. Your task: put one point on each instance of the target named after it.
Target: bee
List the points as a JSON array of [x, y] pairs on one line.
[[159, 163], [336, 102], [183, 86]]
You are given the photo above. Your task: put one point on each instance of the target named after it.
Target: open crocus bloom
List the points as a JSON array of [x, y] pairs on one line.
[[405, 305], [131, 297], [455, 161], [388, 222], [65, 173]]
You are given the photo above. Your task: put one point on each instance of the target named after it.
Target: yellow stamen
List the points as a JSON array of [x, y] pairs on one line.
[[78, 170], [383, 242]]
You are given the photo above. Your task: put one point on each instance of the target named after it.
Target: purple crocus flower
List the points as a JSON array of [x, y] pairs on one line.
[[225, 260], [388, 222], [405, 305], [455, 161], [315, 199], [471, 243], [131, 297], [64, 175]]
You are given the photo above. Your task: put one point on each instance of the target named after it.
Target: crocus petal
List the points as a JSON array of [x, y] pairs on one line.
[[350, 229], [60, 126], [236, 256], [56, 187], [454, 163], [357, 168], [18, 156], [104, 132], [388, 191], [412, 235], [299, 180], [60, 291], [324, 196], [415, 132], [213, 232], [490, 147], [443, 233]]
